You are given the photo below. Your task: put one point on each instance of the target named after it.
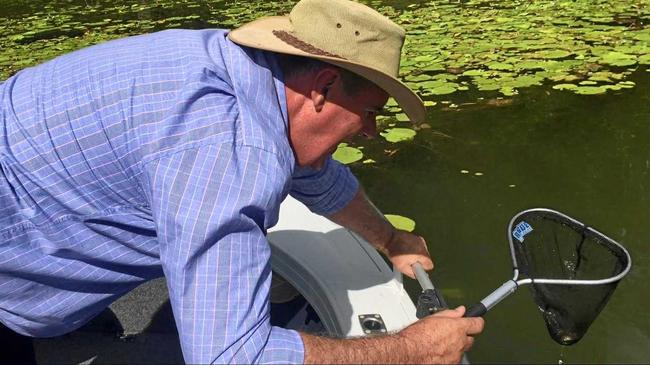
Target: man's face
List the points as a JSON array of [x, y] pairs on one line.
[[333, 117], [351, 116]]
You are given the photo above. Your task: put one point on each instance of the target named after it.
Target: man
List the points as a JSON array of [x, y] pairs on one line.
[[170, 153]]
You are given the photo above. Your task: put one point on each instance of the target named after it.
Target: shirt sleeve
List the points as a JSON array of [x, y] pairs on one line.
[[211, 206], [324, 191]]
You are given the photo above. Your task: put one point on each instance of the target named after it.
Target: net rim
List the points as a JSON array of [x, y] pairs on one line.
[[609, 280]]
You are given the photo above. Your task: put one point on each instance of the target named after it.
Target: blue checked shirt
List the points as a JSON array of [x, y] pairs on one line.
[[161, 154]]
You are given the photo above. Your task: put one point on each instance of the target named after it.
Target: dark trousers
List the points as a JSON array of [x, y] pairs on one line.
[[15, 349]]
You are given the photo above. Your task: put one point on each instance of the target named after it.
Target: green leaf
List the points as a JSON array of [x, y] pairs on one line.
[[565, 87], [401, 117], [444, 89], [395, 135], [401, 222], [645, 59], [590, 90], [473, 73], [346, 154], [618, 59], [508, 91], [552, 54], [502, 66]]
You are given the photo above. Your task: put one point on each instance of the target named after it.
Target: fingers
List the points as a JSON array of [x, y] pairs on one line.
[[408, 271], [424, 243], [404, 263], [469, 342], [472, 326], [451, 313], [426, 262], [475, 325]]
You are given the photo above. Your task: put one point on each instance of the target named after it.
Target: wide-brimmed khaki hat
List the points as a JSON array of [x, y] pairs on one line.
[[341, 32]]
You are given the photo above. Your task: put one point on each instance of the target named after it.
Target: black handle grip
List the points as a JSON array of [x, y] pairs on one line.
[[475, 310], [429, 302]]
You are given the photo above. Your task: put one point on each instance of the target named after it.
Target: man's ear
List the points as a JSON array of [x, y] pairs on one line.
[[322, 83]]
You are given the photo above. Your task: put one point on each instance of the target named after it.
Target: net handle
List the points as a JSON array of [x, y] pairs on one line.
[[502, 292], [430, 301]]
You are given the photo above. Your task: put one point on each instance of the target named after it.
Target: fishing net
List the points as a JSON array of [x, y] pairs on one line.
[[573, 268]]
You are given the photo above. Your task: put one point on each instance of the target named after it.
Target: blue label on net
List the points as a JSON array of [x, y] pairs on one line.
[[521, 230]]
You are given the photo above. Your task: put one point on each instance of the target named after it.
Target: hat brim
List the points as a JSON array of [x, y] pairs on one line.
[[259, 34]]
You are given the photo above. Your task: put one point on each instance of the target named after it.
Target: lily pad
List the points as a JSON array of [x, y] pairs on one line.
[[401, 117], [401, 222], [500, 66], [391, 102], [565, 87], [618, 59], [416, 78], [473, 73], [443, 90], [508, 91], [531, 65], [395, 135], [346, 154], [645, 59], [626, 84], [552, 54], [590, 90]]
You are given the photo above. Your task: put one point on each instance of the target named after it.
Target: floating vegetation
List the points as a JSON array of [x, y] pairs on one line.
[[401, 117], [492, 49], [401, 222], [450, 45], [33, 32], [513, 44], [395, 135], [346, 154]]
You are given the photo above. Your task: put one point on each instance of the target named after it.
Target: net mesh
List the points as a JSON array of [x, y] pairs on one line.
[[550, 246]]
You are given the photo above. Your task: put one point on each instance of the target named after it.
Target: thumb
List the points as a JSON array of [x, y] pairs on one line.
[[457, 312]]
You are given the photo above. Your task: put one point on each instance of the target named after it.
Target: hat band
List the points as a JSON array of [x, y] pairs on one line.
[[291, 40]]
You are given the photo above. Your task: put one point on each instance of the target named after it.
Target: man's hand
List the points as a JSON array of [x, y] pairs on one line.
[[438, 339], [405, 249], [401, 247], [442, 338]]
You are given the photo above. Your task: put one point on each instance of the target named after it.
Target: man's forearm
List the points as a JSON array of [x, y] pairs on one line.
[[371, 350], [438, 339], [362, 217]]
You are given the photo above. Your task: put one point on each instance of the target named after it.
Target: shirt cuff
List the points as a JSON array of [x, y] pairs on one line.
[[324, 191], [283, 347]]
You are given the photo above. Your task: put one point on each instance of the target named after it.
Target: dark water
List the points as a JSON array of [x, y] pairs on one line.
[[586, 156]]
